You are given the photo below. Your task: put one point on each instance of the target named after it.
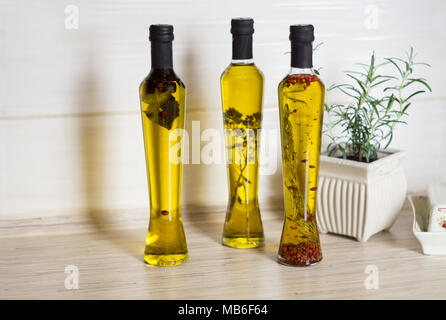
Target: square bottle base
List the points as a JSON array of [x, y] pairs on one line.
[[165, 260], [243, 243]]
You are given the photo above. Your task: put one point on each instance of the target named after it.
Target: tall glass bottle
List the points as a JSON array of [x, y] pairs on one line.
[[242, 95], [301, 100], [162, 96]]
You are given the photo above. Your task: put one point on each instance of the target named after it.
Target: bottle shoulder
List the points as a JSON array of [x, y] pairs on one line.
[[160, 78], [242, 71], [259, 71]]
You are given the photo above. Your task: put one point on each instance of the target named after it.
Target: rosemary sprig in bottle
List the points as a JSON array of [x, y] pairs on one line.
[[244, 127]]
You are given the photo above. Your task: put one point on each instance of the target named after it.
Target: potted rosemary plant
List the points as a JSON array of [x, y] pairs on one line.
[[362, 185]]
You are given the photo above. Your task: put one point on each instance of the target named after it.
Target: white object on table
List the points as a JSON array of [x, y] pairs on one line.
[[432, 243], [437, 201]]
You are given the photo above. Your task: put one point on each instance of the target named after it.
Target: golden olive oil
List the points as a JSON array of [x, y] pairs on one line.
[[301, 100], [242, 94], [300, 109], [162, 96]]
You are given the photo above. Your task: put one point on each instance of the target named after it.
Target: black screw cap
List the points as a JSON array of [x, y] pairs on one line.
[[161, 33], [242, 26], [302, 33]]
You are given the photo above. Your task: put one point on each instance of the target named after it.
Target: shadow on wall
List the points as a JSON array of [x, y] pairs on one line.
[[271, 195], [203, 184], [94, 139], [199, 179]]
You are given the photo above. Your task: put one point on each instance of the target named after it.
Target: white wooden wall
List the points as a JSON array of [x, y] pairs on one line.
[[70, 132]]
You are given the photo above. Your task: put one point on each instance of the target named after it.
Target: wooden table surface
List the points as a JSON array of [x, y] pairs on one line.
[[107, 248]]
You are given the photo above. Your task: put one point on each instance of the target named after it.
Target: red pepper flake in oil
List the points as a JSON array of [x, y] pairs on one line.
[[301, 254], [165, 212], [304, 80]]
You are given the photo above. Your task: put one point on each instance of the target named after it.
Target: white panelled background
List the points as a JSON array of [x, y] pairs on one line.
[[70, 131]]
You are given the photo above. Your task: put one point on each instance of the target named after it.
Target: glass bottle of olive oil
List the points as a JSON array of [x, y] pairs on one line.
[[242, 95], [162, 96], [301, 100]]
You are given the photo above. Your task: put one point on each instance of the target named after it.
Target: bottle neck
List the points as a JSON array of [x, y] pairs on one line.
[[301, 55], [241, 47], [242, 62], [161, 55], [294, 70]]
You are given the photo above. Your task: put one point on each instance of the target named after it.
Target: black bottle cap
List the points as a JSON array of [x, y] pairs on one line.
[[302, 37], [302, 33], [161, 33], [161, 37], [242, 30], [242, 26]]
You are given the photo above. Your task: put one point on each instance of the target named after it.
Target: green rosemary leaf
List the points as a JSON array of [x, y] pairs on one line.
[[422, 81], [395, 64], [332, 151], [398, 59], [391, 88], [390, 102], [358, 82], [335, 86], [317, 46], [356, 72], [380, 82], [344, 153], [422, 63], [389, 141], [371, 67], [407, 66], [414, 94], [383, 77], [411, 55], [405, 107], [349, 94], [375, 109]]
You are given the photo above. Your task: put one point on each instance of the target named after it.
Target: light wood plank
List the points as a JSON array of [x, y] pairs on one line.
[[107, 248]]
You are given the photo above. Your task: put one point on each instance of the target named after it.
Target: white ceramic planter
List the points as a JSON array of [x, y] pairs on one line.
[[359, 199]]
